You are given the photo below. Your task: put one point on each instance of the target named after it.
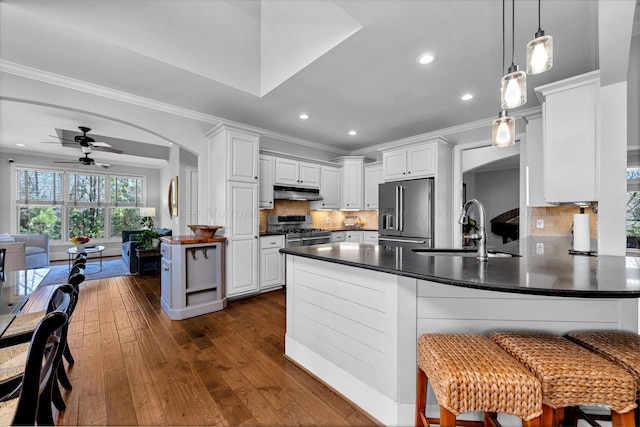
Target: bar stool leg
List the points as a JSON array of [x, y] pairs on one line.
[[447, 418], [548, 416], [421, 400], [534, 422], [627, 419]]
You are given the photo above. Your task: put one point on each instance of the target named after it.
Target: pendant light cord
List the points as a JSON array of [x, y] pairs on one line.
[[513, 31], [539, 27], [503, 31]]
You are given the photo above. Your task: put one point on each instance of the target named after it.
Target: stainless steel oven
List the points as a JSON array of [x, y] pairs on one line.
[[298, 230]]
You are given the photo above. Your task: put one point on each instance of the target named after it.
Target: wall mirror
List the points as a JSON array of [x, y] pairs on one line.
[[173, 197]]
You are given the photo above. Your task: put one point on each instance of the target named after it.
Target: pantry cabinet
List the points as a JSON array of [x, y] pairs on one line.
[[570, 117], [289, 172]]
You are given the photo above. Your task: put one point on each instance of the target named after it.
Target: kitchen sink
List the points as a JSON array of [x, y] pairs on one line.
[[461, 252]]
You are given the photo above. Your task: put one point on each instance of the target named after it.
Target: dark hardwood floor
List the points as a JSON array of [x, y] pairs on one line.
[[134, 366]]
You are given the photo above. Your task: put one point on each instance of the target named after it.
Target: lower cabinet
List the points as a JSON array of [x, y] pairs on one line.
[[242, 277], [338, 236], [192, 278], [371, 237], [271, 262], [355, 236]]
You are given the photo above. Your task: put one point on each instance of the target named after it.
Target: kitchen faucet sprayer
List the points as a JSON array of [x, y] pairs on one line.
[[481, 234]]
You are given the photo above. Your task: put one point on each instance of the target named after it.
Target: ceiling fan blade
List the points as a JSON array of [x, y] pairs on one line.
[[67, 162], [106, 149], [102, 165], [99, 144], [61, 138]]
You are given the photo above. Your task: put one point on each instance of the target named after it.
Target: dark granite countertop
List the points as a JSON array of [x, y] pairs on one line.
[[544, 268]]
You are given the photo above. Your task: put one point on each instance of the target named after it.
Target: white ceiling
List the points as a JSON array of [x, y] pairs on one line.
[[350, 64]]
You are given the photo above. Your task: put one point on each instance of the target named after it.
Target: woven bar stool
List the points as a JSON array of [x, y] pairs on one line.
[[572, 376], [621, 348], [472, 373]]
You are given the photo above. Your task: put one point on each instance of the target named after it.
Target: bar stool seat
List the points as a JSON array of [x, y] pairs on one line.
[[472, 373], [572, 376]]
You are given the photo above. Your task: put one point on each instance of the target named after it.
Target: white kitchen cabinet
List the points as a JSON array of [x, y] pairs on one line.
[[371, 237], [233, 204], [338, 236], [329, 189], [192, 280], [352, 194], [271, 262], [570, 138], [242, 157], [355, 236], [265, 182], [295, 173], [372, 179], [534, 182], [411, 162]]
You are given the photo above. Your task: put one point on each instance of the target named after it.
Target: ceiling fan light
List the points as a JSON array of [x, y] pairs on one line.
[[503, 130], [513, 88], [539, 53]]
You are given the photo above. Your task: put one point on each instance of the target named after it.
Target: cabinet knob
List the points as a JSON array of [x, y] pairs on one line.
[[255, 177], [409, 172], [403, 173], [166, 269], [255, 237]]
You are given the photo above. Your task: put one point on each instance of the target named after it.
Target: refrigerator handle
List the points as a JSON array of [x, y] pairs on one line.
[[397, 210], [401, 214]]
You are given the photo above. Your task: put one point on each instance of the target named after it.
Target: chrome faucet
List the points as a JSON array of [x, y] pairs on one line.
[[481, 235]]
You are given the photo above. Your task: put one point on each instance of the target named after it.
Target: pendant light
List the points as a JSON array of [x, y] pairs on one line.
[[539, 51], [503, 130], [513, 90]]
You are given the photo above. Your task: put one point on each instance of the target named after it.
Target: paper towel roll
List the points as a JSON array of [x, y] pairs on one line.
[[581, 238]]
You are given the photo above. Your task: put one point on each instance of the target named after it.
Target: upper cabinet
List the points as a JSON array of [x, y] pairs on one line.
[[372, 179], [329, 189], [570, 138], [411, 162], [296, 173], [243, 157], [352, 196], [265, 196]]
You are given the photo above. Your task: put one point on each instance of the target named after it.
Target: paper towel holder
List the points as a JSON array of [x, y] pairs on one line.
[[584, 205]]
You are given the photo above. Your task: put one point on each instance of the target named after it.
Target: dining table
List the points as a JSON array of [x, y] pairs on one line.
[[15, 292]]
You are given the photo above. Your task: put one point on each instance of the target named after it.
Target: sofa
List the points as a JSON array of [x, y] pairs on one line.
[[129, 245], [36, 248]]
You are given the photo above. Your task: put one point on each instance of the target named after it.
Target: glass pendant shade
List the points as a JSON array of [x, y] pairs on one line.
[[539, 53], [513, 88], [503, 130]]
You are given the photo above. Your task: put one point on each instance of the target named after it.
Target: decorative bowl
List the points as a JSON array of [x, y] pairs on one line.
[[204, 231]]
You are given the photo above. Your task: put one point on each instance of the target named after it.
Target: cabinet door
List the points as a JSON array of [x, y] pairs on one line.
[[242, 205], [165, 283], [371, 237], [355, 236], [394, 164], [265, 198], [535, 171], [286, 171], [329, 189], [352, 189], [271, 268], [372, 178], [243, 157], [421, 161], [570, 145], [242, 266], [309, 175]]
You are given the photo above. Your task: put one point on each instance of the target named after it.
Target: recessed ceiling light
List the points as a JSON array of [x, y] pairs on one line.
[[304, 116], [426, 58], [353, 132], [21, 145], [467, 97]]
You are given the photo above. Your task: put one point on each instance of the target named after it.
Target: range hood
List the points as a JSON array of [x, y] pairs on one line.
[[295, 193]]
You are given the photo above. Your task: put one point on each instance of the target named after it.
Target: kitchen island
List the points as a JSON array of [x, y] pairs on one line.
[[354, 311]]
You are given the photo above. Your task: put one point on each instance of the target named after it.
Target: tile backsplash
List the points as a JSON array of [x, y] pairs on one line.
[[559, 219], [319, 218]]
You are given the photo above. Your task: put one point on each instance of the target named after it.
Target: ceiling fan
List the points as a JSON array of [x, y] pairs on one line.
[[88, 144], [87, 161]]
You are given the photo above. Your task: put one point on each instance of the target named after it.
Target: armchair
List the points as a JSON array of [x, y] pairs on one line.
[[129, 245], [25, 250]]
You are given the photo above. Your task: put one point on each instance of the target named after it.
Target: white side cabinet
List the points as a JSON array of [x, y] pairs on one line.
[[570, 138], [352, 193], [372, 179], [329, 189], [355, 236], [192, 281], [412, 162], [291, 172], [271, 262], [242, 159], [265, 182]]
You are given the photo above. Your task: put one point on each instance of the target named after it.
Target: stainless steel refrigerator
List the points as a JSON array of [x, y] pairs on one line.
[[405, 213]]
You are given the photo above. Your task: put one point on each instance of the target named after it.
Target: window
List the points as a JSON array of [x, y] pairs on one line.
[[66, 204], [633, 203]]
